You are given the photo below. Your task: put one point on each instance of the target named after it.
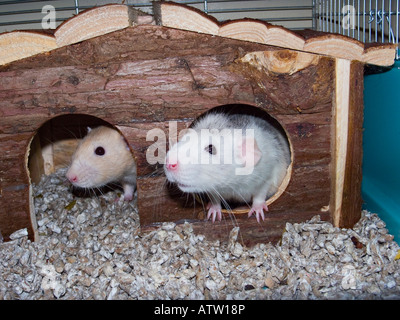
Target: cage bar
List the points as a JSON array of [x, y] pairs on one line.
[[366, 21]]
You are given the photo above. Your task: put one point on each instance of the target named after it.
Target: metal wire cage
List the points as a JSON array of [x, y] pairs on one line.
[[364, 20]]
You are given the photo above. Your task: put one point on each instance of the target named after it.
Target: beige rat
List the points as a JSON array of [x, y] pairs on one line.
[[102, 157]]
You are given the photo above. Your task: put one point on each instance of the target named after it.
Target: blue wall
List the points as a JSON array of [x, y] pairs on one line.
[[381, 144]]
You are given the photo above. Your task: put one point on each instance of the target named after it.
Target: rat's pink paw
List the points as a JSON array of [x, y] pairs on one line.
[[128, 197], [259, 211], [128, 192], [214, 211]]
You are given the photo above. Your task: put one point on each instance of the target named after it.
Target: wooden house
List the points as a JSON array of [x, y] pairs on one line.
[[139, 72]]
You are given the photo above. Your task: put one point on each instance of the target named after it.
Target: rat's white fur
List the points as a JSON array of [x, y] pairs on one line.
[[220, 181], [89, 170]]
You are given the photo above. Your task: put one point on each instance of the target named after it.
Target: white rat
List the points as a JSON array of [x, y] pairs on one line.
[[230, 162], [102, 157]]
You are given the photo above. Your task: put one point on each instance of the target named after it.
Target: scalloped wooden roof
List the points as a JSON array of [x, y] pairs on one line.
[[105, 19]]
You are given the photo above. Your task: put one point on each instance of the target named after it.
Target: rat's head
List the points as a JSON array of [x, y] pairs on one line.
[[100, 158], [205, 160]]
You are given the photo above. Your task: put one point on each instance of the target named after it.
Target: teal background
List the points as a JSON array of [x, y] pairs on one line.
[[381, 147]]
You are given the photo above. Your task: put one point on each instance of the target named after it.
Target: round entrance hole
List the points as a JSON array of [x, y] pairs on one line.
[[52, 195], [55, 142], [237, 206]]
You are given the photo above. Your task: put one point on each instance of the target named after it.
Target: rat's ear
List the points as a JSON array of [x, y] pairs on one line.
[[247, 151]]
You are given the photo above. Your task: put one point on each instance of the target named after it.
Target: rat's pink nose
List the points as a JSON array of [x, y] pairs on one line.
[[171, 165], [72, 177]]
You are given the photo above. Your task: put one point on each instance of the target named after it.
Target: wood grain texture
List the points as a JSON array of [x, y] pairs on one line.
[[173, 75], [334, 45], [21, 44], [101, 20], [97, 21], [352, 200], [342, 107], [262, 32]]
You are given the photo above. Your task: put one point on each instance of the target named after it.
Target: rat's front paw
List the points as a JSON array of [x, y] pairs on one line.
[[214, 211], [259, 211], [128, 192]]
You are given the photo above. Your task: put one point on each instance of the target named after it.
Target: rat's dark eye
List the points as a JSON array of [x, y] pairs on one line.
[[100, 151], [211, 149]]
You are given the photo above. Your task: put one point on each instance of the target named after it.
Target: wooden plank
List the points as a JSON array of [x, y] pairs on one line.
[[334, 45], [92, 23], [342, 96], [262, 32], [184, 17], [98, 21], [379, 54], [15, 198], [352, 201], [17, 45]]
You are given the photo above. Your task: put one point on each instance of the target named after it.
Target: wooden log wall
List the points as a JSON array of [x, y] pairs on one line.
[[142, 77], [141, 87]]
